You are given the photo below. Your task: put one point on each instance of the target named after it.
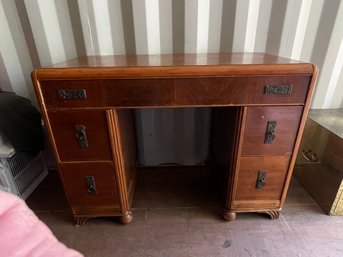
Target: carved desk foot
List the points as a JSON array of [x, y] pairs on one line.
[[230, 216], [272, 214], [126, 218], [80, 221]]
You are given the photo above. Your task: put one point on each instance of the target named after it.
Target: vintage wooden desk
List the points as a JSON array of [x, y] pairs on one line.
[[259, 101]]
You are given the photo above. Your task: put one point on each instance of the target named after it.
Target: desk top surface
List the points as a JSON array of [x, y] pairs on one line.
[[164, 60], [175, 65]]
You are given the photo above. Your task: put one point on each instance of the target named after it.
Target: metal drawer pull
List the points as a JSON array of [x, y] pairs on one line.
[[91, 188], [278, 89], [270, 132], [260, 183], [81, 135], [72, 94]]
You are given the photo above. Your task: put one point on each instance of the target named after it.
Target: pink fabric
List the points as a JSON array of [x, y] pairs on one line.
[[22, 234]]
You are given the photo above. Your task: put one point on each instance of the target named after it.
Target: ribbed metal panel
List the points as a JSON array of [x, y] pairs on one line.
[[173, 136]]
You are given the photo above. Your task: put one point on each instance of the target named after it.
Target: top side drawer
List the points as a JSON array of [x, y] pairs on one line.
[[242, 90], [107, 92], [271, 130]]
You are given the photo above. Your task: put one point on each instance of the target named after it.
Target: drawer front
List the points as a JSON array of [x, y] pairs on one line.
[[90, 186], [271, 130], [108, 92], [81, 135], [251, 186], [242, 90]]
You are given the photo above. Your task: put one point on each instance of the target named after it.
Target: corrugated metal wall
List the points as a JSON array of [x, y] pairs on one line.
[[36, 33]]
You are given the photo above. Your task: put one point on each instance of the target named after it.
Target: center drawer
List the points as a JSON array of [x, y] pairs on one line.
[[192, 91]]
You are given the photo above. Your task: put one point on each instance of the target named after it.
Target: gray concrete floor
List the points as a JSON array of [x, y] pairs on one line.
[[189, 223]]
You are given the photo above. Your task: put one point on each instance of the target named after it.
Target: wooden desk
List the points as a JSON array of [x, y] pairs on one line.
[[260, 103]]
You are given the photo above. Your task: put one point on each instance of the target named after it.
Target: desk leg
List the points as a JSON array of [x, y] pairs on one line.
[[229, 216]]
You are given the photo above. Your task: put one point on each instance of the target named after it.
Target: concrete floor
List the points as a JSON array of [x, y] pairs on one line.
[[189, 223]]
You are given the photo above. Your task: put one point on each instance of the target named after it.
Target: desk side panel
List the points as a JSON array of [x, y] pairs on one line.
[[123, 141], [128, 143], [223, 146]]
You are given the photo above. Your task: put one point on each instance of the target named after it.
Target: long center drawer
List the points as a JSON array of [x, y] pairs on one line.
[[175, 92]]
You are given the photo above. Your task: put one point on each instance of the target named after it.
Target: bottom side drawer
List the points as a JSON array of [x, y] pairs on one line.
[[90, 187], [260, 182]]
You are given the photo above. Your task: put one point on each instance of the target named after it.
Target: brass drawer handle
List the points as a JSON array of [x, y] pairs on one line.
[[72, 94], [278, 89], [91, 188], [270, 132], [309, 155], [260, 182], [81, 136]]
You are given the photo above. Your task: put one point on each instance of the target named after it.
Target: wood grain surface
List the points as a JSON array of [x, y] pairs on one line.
[[63, 130], [187, 65], [287, 123], [276, 170], [82, 202]]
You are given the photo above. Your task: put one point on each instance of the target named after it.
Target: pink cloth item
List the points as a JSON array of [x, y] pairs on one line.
[[22, 234]]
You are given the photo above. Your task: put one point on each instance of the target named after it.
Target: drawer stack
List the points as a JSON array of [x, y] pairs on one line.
[[85, 160], [88, 152], [264, 153]]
